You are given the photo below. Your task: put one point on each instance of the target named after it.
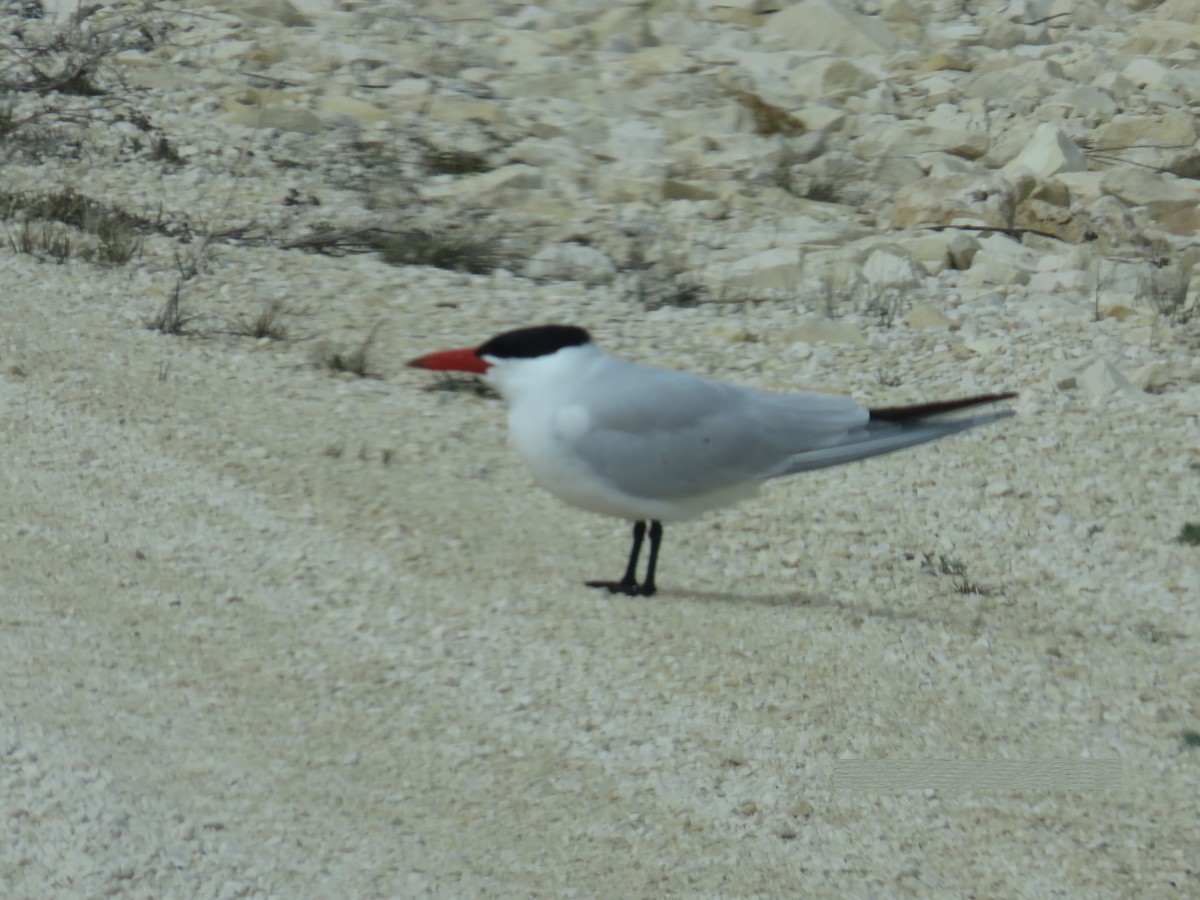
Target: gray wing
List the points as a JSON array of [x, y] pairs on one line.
[[668, 435]]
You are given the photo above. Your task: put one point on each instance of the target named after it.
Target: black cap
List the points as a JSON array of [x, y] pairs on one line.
[[527, 343]]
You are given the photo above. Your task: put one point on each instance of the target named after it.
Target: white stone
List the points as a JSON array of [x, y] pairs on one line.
[[1102, 378], [571, 262], [955, 199], [773, 272], [831, 25], [823, 331], [829, 77], [891, 268], [926, 315], [1049, 152], [489, 186], [1160, 195]]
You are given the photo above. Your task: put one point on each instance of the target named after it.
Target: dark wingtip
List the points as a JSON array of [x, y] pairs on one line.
[[925, 410]]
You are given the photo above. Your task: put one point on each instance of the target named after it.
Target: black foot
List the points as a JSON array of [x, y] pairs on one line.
[[628, 588]]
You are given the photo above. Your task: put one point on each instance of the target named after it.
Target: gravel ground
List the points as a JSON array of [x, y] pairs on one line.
[[272, 632]]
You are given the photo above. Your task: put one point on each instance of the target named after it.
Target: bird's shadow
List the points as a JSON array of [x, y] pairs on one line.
[[798, 599]]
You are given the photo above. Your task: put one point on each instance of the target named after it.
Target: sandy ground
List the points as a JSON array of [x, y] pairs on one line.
[[271, 633]]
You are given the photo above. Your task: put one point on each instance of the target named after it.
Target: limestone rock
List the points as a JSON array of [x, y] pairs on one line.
[[489, 186], [891, 268], [1102, 378], [772, 272], [834, 26], [954, 199], [824, 331], [1161, 196], [830, 77], [1050, 152], [926, 315], [281, 118], [571, 262]]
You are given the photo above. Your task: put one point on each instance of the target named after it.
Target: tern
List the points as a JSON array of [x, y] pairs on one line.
[[652, 445]]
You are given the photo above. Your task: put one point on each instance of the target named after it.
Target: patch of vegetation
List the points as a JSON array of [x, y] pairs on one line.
[[823, 190], [62, 75], [269, 323], [1163, 285], [955, 568], [456, 250], [43, 240], [1189, 534], [884, 305], [365, 166], [436, 161], [353, 361], [770, 119], [888, 379], [653, 285], [1190, 738], [115, 235], [162, 150], [172, 319]]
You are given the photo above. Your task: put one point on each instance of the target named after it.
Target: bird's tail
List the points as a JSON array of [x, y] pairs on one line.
[[897, 427]]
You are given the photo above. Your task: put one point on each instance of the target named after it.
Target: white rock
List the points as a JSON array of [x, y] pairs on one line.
[[829, 77], [955, 199], [281, 118], [892, 268], [279, 11], [1064, 378], [1151, 378], [940, 250], [571, 262], [489, 186], [1083, 187], [1102, 378], [1049, 152], [831, 25], [820, 118], [638, 142], [1021, 81], [772, 272], [823, 331], [926, 315], [1160, 195], [1088, 100], [962, 249]]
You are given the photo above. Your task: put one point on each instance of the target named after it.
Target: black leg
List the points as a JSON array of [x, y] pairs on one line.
[[628, 583], [656, 532]]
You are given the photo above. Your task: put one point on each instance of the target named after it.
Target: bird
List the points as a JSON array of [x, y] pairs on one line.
[[653, 445]]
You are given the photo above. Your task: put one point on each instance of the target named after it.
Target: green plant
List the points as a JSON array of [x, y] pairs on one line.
[[1190, 738], [823, 190], [956, 568], [42, 240], [888, 379], [457, 251], [116, 233], [884, 304], [436, 161], [1189, 534], [268, 323], [1164, 286], [352, 361], [171, 319]]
